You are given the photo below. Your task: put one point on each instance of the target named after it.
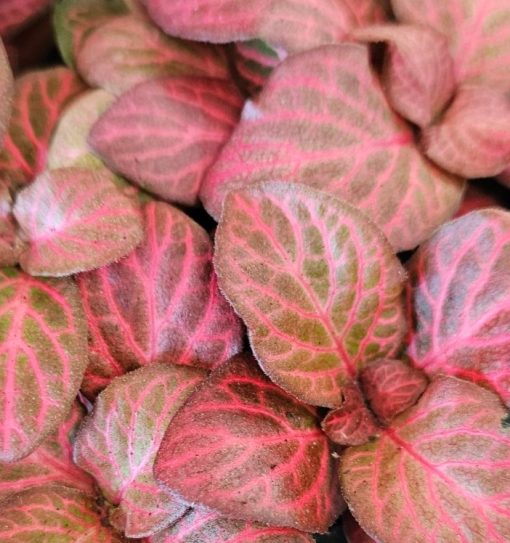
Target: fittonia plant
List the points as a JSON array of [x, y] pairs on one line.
[[167, 380]]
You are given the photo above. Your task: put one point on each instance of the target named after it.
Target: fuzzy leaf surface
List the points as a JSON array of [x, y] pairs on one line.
[[17, 14], [43, 345], [6, 92], [245, 448], [39, 98], [316, 283], [9, 248], [75, 219], [440, 472], [164, 134], [323, 120]]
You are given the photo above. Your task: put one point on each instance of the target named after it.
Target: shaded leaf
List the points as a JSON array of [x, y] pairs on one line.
[[43, 358], [17, 14], [118, 443], [9, 247], [75, 219], [367, 12], [504, 178], [164, 134], [353, 531], [316, 283], [244, 447], [478, 196], [439, 473], [6, 92], [322, 119]]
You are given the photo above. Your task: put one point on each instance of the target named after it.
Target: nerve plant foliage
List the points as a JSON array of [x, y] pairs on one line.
[[169, 381]]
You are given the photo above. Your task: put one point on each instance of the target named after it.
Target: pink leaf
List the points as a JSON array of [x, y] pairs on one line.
[[9, 247], [118, 443], [504, 178], [322, 119], [439, 473], [6, 92], [460, 282], [160, 304], [316, 283], [50, 463], [39, 100], [478, 196], [128, 50], [352, 423], [391, 386], [478, 32], [353, 531], [43, 351], [367, 12], [17, 14], [53, 513], [242, 446], [75, 219], [205, 526], [166, 133], [418, 73], [473, 138]]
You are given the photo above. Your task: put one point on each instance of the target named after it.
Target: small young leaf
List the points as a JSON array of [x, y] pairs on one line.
[[439, 473], [473, 138], [9, 246], [6, 92], [244, 447], [460, 283], [353, 531], [128, 50], [75, 220], [39, 100], [323, 120], [316, 283], [166, 133], [17, 14], [202, 525], [118, 443], [43, 349]]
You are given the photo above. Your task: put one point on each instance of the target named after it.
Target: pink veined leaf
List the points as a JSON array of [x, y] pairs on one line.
[[353, 532], [391, 386], [164, 134], [440, 472], [316, 283], [460, 281], [75, 219], [473, 138], [43, 345], [247, 449], [159, 304], [118, 443], [53, 513], [478, 32], [478, 196], [50, 463], [418, 74], [17, 14], [323, 120], [205, 526], [127, 50], [9, 246], [352, 423], [6, 92], [39, 99]]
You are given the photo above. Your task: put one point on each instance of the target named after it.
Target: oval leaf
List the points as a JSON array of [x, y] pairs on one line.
[[166, 133], [439, 473], [17, 14], [9, 246], [75, 220], [460, 282], [353, 531], [43, 353], [118, 443], [6, 92], [323, 120], [244, 447], [316, 283]]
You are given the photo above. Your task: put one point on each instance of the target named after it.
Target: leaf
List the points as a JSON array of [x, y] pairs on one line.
[[352, 423], [419, 77], [322, 119], [353, 531], [127, 50], [367, 12], [43, 358], [39, 100], [504, 178], [478, 196], [460, 281], [118, 443], [18, 14], [164, 134], [245, 448], [159, 304], [51, 514], [75, 219], [439, 473], [205, 526], [316, 283], [6, 92], [478, 32], [390, 387], [473, 138], [50, 463], [9, 248]]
